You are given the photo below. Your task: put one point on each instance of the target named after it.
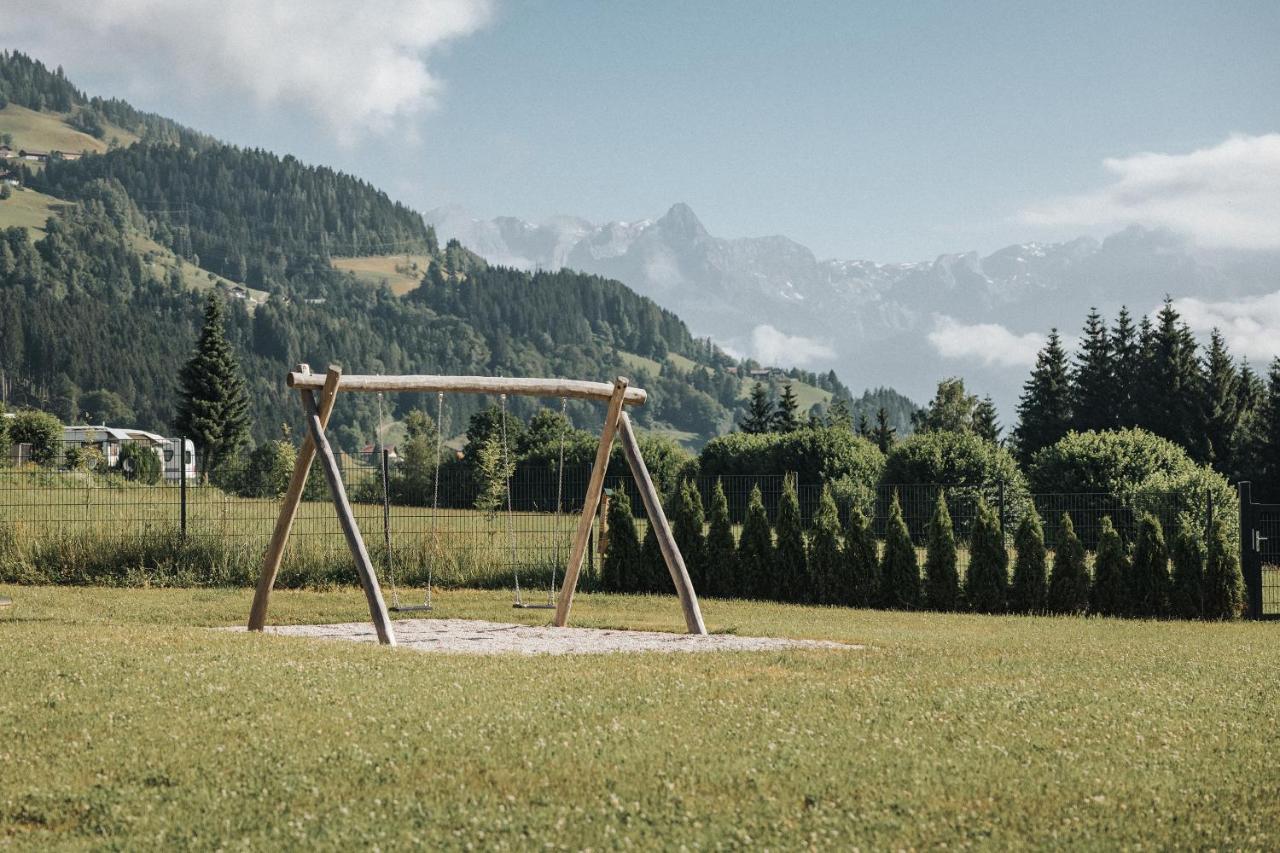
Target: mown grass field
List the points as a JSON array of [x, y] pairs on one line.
[[28, 209], [48, 131], [400, 272], [130, 725]]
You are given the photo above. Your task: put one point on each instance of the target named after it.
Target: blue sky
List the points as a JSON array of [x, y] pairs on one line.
[[890, 131]]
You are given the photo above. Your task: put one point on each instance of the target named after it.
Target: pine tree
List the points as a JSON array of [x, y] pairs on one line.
[[1126, 361], [884, 435], [1093, 383], [986, 583], [1172, 384], [1069, 578], [1044, 411], [759, 417], [826, 565], [687, 526], [622, 558], [721, 575], [1186, 591], [1030, 577], [864, 427], [1221, 405], [755, 551], [1269, 436], [792, 565], [1110, 593], [986, 423], [950, 410], [213, 409], [784, 416], [652, 575], [1149, 575], [1223, 586], [862, 567], [1247, 451], [899, 569], [941, 580]]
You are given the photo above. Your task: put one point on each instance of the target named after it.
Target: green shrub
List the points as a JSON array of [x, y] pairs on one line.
[[653, 575], [1186, 591], [140, 464], [861, 587], [791, 565], [268, 469], [722, 551], [941, 579], [899, 570], [39, 429], [755, 550], [986, 583], [826, 565], [1069, 580], [1223, 585], [621, 561], [1030, 577], [1110, 593], [1149, 573], [687, 524]]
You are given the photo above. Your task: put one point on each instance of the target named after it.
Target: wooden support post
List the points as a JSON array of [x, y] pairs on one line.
[[661, 528], [292, 498], [594, 487], [368, 580]]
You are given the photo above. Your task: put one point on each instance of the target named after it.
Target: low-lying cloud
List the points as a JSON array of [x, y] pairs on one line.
[[1250, 325], [990, 344], [771, 346], [359, 68], [1225, 196]]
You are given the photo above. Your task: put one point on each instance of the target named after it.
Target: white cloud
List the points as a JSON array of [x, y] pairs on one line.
[[1226, 196], [1250, 325], [360, 68], [989, 343], [771, 346]]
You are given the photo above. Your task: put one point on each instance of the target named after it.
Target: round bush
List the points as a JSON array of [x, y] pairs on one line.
[[140, 464], [952, 459], [39, 429]]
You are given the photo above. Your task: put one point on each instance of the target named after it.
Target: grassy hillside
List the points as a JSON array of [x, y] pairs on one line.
[[402, 273], [28, 209], [162, 262], [48, 131]]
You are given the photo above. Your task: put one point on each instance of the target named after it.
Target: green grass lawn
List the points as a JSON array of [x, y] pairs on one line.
[[126, 724], [28, 209]]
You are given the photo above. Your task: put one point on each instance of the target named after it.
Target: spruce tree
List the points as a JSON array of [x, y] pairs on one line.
[[826, 564], [1069, 578], [864, 426], [687, 528], [941, 579], [862, 567], [1030, 576], [792, 565], [1269, 436], [1172, 384], [1186, 591], [1247, 451], [1223, 587], [1044, 411], [755, 551], [621, 561], [1126, 360], [884, 435], [1093, 383], [899, 569], [1149, 575], [1110, 593], [785, 418], [986, 423], [1221, 406], [986, 583], [721, 574], [213, 406], [759, 416]]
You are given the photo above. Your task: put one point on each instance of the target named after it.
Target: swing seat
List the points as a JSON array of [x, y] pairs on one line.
[[520, 605], [409, 608]]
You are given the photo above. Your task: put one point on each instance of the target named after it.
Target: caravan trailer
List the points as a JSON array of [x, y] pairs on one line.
[[109, 440]]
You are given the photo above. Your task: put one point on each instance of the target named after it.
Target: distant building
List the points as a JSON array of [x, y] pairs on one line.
[[7, 153], [761, 372], [34, 156], [65, 155]]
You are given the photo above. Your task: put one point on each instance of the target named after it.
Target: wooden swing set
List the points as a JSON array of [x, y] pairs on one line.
[[618, 395]]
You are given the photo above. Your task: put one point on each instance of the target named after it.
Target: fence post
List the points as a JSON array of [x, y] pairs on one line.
[[182, 486], [1250, 564]]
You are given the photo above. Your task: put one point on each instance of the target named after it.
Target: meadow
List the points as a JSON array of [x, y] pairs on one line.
[[129, 724]]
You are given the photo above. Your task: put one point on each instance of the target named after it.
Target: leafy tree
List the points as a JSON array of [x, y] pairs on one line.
[[1186, 591], [986, 583], [814, 455], [986, 423], [39, 429], [105, 407], [1093, 383], [1069, 578], [1149, 575], [213, 410], [1110, 593], [755, 551], [139, 463], [941, 579], [784, 416], [839, 416], [826, 563], [899, 570], [950, 410], [759, 417], [791, 563], [1030, 577], [862, 567], [687, 524], [1044, 411], [1223, 585], [419, 455], [720, 578], [621, 563], [492, 466], [884, 435], [268, 469]]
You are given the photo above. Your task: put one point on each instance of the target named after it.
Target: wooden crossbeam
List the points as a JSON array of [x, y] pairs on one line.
[[575, 388]]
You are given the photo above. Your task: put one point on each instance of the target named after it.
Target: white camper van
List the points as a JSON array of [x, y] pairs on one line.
[[109, 440]]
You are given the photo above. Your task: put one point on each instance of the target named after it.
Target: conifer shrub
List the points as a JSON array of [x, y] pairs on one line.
[[139, 464], [1110, 593], [1186, 591], [1149, 573], [721, 571], [826, 563], [621, 561], [755, 551], [861, 575], [687, 525], [1030, 576], [791, 566], [941, 578], [899, 570], [1223, 587], [1069, 578], [986, 583], [653, 575]]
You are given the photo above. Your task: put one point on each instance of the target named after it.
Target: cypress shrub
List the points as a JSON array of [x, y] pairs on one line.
[[899, 570], [861, 576], [687, 528], [622, 558], [1030, 576], [755, 551], [1223, 587], [1186, 591], [1149, 574], [1109, 596], [653, 575], [941, 580], [826, 565], [1069, 579], [792, 564], [721, 568], [986, 583]]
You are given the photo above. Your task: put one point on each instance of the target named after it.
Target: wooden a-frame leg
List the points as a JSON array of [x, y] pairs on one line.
[[594, 487], [289, 508], [661, 528]]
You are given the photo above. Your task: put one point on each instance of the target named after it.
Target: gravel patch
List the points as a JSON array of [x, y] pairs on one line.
[[474, 637]]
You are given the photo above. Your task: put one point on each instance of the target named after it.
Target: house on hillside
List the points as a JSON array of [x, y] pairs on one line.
[[34, 156], [64, 155], [762, 372]]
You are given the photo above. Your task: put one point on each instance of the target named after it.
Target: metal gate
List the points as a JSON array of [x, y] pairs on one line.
[[1260, 555]]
